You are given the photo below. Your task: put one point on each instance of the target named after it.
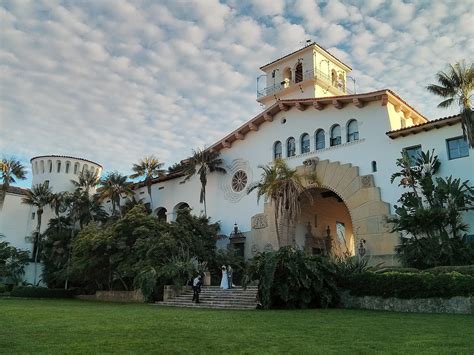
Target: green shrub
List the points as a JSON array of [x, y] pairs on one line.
[[465, 270], [409, 285], [40, 292], [288, 278], [3, 288], [404, 270]]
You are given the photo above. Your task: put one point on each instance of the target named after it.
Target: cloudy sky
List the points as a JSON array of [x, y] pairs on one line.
[[115, 80]]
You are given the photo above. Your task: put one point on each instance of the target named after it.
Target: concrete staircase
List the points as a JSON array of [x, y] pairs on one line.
[[215, 297]]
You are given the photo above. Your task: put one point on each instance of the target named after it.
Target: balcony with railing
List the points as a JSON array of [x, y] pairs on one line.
[[312, 74]]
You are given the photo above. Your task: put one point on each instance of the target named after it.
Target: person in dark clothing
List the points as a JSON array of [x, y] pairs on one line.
[[197, 283]]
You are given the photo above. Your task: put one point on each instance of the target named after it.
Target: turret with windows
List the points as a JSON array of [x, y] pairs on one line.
[[59, 170], [306, 73]]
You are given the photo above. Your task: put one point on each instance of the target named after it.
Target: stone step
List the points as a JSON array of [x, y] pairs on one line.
[[206, 306], [215, 297], [213, 303]]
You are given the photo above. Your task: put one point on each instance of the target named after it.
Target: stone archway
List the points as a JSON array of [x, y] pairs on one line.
[[363, 200]]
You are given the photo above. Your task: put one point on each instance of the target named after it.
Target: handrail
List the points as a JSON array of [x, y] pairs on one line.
[[307, 75]]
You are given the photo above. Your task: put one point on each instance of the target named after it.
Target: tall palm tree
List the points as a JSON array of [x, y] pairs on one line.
[[58, 203], [202, 163], [283, 186], [456, 86], [113, 187], [11, 169], [39, 196], [87, 180], [150, 168]]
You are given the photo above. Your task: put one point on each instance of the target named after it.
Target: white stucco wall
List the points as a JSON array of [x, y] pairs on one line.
[[257, 149]]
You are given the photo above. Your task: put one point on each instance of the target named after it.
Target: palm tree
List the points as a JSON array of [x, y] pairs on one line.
[[283, 186], [11, 169], [202, 163], [86, 181], [113, 187], [456, 86], [150, 168], [39, 196], [58, 203]]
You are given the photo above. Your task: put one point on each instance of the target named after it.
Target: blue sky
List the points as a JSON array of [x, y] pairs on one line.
[[115, 80]]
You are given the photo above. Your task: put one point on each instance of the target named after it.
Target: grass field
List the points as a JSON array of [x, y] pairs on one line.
[[58, 326]]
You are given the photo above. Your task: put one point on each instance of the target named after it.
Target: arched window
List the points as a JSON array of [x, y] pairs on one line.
[[277, 150], [36, 168], [84, 168], [68, 165], [299, 72], [42, 166], [58, 166], [286, 77], [305, 145], [76, 168], [50, 166], [161, 214], [290, 147], [335, 135], [333, 77], [341, 83], [352, 131], [320, 139]]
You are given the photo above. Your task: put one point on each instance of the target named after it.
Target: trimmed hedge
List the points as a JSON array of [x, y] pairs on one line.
[[409, 270], [406, 285], [40, 292], [465, 269]]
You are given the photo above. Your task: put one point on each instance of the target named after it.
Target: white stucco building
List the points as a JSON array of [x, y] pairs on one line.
[[348, 141]]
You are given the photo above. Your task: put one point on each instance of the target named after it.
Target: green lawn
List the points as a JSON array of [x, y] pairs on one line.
[[58, 326]]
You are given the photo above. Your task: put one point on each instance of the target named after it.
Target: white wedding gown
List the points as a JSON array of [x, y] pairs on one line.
[[224, 281]]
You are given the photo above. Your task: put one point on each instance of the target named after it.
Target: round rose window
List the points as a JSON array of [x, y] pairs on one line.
[[239, 181]]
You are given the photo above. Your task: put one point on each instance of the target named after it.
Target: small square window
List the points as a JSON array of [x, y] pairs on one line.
[[413, 153], [457, 148]]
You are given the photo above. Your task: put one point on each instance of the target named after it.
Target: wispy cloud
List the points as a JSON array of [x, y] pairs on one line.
[[113, 81]]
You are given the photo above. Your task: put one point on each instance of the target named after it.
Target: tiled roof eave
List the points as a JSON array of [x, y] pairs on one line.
[[313, 44], [339, 102], [423, 127], [65, 156]]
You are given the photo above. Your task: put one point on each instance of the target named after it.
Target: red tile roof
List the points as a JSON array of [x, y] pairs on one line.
[[423, 127], [65, 156], [15, 190], [343, 100], [298, 50]]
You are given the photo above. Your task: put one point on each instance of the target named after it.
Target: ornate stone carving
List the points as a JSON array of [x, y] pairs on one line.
[[236, 180], [259, 221], [311, 161], [367, 181]]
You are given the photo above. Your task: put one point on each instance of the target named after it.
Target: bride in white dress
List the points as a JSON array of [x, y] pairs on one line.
[[225, 279]]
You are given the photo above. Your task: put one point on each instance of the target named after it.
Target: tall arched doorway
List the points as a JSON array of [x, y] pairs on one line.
[[359, 209], [161, 214], [324, 225], [179, 206]]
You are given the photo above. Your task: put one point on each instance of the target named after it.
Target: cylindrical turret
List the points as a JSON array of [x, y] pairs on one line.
[[59, 170]]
